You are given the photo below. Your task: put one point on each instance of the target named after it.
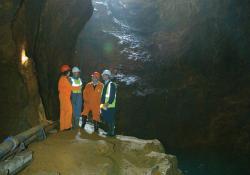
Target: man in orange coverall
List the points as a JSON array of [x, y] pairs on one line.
[[64, 88], [92, 99]]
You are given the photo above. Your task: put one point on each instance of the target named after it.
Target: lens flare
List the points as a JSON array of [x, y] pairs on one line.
[[108, 48]]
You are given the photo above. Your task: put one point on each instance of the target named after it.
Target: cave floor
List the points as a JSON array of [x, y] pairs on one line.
[[67, 153], [63, 153]]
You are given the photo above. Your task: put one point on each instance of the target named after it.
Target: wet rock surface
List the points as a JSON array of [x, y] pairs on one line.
[[47, 31], [192, 79], [91, 154], [20, 100], [61, 23]]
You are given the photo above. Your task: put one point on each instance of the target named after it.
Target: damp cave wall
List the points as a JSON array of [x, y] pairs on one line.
[[197, 82], [47, 30]]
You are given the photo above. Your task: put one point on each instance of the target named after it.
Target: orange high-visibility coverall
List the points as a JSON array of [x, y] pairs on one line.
[[92, 100], [64, 88]]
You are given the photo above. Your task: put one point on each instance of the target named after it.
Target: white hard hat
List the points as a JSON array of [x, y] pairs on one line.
[[106, 72], [75, 70]]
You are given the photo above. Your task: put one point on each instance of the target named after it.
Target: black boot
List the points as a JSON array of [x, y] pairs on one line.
[[96, 126], [84, 120]]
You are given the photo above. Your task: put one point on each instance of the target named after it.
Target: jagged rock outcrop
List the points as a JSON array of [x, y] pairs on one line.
[[47, 31], [92, 154]]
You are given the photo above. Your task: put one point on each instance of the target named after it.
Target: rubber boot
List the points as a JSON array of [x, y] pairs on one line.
[[96, 126], [84, 120]]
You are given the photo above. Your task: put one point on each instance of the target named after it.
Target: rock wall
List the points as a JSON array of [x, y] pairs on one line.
[[203, 47], [47, 31], [61, 22], [20, 100], [195, 86]]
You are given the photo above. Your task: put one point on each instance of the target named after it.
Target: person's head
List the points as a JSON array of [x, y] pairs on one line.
[[106, 75], [65, 70], [95, 77], [76, 72]]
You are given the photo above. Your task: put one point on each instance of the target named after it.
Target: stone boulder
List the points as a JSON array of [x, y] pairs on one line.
[[67, 153]]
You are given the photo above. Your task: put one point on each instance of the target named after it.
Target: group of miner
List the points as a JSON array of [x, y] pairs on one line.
[[95, 101]]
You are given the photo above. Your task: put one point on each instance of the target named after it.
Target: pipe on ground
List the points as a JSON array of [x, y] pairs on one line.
[[16, 164], [25, 138]]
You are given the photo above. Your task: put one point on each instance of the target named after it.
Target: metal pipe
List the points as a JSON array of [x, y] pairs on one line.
[[26, 137], [19, 162]]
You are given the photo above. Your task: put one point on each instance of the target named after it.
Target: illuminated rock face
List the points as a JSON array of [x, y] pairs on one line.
[[47, 31], [20, 100], [196, 80]]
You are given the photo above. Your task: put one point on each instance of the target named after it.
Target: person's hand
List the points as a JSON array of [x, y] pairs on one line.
[[105, 105]]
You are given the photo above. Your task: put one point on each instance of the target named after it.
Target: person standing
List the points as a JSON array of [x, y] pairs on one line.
[[76, 95], [108, 102], [92, 99], [64, 88]]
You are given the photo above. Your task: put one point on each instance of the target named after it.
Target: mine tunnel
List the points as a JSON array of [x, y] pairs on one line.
[[181, 71]]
